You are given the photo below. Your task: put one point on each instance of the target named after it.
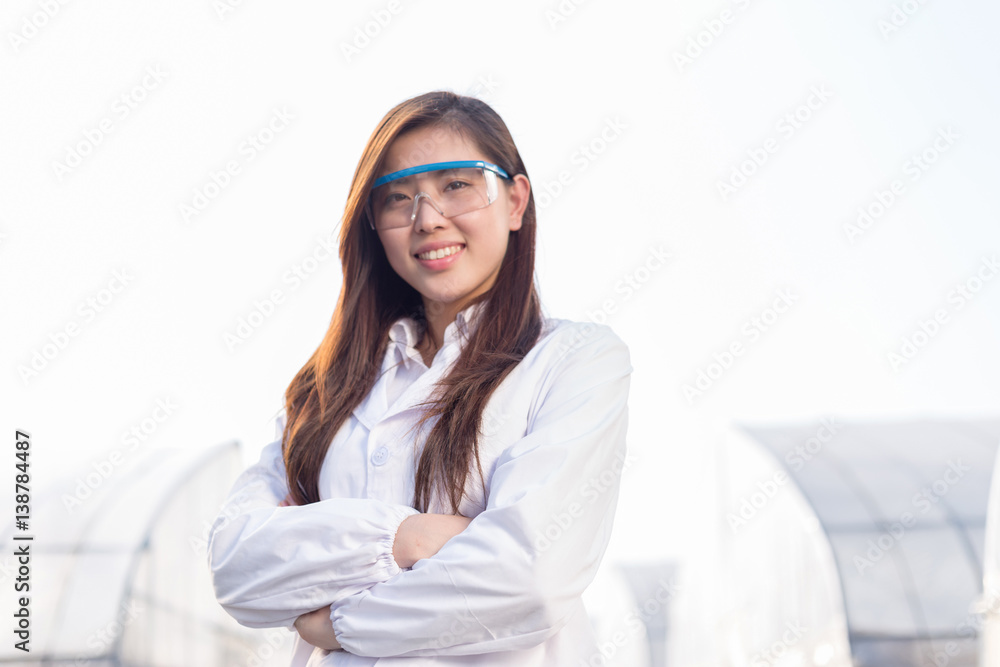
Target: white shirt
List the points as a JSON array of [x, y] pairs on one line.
[[506, 590]]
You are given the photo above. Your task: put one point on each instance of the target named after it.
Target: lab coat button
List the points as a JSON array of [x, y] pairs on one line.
[[380, 456]]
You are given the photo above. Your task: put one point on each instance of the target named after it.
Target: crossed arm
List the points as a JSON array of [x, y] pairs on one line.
[[273, 561], [418, 536]]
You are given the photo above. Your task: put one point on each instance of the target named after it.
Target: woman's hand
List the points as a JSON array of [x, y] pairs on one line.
[[422, 535], [316, 628]]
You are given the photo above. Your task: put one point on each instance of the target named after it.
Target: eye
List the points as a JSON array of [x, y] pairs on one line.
[[456, 185], [394, 198]]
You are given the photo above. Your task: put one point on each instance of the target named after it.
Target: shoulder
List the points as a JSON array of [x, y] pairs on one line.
[[575, 363], [565, 341]]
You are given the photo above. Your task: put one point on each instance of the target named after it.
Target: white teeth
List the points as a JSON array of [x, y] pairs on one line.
[[440, 252]]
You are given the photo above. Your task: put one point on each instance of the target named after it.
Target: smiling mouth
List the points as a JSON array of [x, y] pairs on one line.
[[440, 252]]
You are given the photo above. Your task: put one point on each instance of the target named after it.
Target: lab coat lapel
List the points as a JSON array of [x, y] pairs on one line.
[[375, 408], [369, 410]]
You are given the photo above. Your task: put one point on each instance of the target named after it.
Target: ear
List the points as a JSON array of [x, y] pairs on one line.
[[517, 196]]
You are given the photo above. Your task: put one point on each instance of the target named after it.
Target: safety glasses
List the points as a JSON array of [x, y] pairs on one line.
[[452, 188]]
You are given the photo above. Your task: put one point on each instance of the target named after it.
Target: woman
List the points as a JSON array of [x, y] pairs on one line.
[[445, 480]]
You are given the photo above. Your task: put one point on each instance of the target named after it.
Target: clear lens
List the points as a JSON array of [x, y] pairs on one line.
[[451, 192]]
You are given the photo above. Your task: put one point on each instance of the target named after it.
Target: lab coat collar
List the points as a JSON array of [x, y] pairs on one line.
[[407, 330], [405, 334]]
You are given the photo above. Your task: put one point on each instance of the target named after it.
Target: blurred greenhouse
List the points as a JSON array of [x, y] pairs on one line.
[[854, 544], [987, 619], [629, 604], [118, 567], [835, 545]]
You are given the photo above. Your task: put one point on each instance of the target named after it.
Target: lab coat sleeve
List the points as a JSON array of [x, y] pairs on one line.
[[271, 564], [514, 576]]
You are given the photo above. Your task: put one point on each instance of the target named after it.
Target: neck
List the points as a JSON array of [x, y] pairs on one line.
[[438, 316], [437, 320]]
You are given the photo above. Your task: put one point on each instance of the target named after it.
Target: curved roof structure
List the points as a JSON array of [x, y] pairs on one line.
[[903, 506], [118, 562]]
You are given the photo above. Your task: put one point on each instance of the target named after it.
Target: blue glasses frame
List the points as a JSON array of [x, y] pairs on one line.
[[434, 166]]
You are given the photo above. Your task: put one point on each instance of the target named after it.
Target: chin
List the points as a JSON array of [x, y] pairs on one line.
[[446, 299]]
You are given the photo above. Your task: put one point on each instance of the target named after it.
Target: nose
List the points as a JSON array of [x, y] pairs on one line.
[[426, 216]]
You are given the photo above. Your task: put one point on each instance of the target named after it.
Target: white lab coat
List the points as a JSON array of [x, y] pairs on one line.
[[505, 591]]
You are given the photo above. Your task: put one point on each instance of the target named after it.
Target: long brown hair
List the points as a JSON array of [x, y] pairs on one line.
[[345, 366]]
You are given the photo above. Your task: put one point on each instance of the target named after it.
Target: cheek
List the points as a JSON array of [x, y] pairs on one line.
[[395, 252], [496, 238], [397, 255], [489, 233]]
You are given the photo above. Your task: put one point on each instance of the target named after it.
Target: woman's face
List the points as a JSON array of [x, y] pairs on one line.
[[448, 284]]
